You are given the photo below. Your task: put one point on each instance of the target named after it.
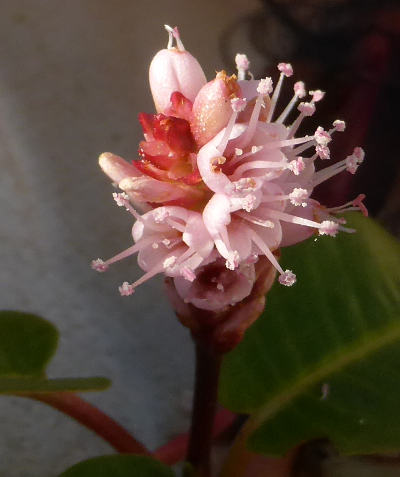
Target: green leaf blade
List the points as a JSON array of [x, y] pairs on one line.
[[27, 343], [340, 319]]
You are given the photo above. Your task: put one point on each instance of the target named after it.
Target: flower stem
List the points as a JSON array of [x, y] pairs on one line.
[[208, 365], [175, 450], [92, 418]]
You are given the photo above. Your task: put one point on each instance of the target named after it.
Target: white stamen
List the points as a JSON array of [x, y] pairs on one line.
[[122, 199], [286, 69], [242, 65], [323, 152], [256, 221], [99, 265], [169, 262], [299, 92], [339, 125], [265, 86], [329, 227], [297, 166], [287, 278], [299, 197], [238, 104], [126, 289], [307, 109], [249, 203], [232, 261], [322, 137], [317, 95], [300, 89]]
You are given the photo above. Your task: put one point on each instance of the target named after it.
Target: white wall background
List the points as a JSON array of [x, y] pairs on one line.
[[73, 76]]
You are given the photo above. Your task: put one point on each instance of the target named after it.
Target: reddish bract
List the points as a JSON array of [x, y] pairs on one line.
[[168, 152]]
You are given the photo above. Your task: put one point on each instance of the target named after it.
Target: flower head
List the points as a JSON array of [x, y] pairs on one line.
[[224, 179]]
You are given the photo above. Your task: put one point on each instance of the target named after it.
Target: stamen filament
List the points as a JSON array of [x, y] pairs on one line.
[[285, 113], [274, 98], [265, 250]]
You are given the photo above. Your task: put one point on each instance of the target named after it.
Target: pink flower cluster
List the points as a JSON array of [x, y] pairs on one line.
[[222, 179]]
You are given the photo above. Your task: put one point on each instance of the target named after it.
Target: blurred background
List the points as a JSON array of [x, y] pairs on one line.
[[73, 77]]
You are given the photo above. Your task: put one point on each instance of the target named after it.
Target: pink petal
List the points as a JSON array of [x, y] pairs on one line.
[[174, 70], [117, 168], [212, 107]]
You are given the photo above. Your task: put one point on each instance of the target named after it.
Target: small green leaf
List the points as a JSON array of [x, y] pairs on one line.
[[324, 359], [27, 343], [26, 385], [119, 466]]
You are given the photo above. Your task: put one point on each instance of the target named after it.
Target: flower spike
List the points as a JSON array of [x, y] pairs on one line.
[[222, 181]]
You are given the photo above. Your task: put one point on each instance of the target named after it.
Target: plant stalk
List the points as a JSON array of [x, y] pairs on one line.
[[208, 365], [92, 418]]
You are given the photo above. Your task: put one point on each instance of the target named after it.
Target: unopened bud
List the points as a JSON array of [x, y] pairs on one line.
[[212, 107], [174, 69]]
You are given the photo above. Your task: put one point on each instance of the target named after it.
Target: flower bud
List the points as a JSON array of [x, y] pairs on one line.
[[174, 69], [223, 327], [116, 168], [212, 107]]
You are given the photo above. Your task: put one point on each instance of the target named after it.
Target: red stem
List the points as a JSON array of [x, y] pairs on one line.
[[92, 418], [175, 450], [208, 365]]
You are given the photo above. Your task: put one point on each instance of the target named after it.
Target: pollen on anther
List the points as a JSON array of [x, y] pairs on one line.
[[297, 165], [264, 86], [300, 89], [121, 198], [322, 137], [169, 262], [286, 69], [299, 197], [329, 227], [351, 164], [359, 153], [308, 109], [339, 125], [249, 202], [126, 289], [242, 62], [317, 95], [99, 265], [287, 278], [323, 152], [238, 104]]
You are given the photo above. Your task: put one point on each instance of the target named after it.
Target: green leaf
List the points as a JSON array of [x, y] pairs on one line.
[[27, 343], [119, 466], [25, 385], [324, 359]]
